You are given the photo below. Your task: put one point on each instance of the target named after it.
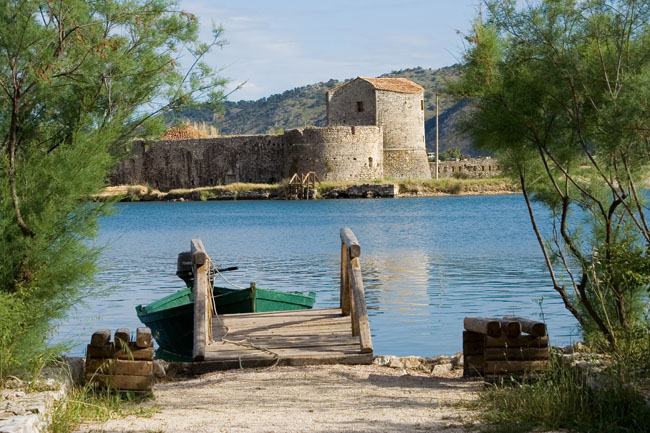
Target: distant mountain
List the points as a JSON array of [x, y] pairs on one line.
[[305, 106]]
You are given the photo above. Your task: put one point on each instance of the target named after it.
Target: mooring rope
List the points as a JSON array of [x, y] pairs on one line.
[[248, 344], [226, 279]]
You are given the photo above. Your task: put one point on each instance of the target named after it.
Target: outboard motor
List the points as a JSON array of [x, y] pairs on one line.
[[184, 268]]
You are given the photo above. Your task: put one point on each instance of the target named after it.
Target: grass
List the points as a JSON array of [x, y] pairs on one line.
[[447, 185], [87, 404], [235, 187], [407, 186], [451, 185], [560, 399]]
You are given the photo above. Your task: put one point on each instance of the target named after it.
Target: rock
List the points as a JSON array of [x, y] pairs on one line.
[[382, 360], [410, 362], [14, 383], [76, 367], [441, 368], [12, 395], [159, 368], [457, 360], [22, 424]]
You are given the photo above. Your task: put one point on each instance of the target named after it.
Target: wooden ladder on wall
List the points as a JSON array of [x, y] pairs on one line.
[[301, 185]]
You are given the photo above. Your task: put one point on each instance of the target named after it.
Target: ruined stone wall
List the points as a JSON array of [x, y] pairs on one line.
[[401, 116], [473, 167], [336, 153], [343, 104], [192, 163]]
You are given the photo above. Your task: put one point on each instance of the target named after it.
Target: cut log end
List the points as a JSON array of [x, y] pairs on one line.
[[143, 338], [532, 327], [122, 336], [483, 326], [100, 337]]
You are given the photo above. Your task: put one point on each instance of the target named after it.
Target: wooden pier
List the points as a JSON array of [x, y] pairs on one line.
[[298, 337]]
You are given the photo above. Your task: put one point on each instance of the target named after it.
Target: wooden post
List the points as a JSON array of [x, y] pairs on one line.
[[122, 337], [350, 241], [100, 337], [354, 300], [350, 249], [510, 327], [532, 327], [253, 288], [143, 337], [360, 312], [345, 281], [200, 264], [491, 327]]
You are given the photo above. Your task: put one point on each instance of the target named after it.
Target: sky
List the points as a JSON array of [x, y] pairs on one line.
[[277, 45]]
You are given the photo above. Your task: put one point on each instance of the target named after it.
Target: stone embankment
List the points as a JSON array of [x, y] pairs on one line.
[[326, 191], [26, 407]]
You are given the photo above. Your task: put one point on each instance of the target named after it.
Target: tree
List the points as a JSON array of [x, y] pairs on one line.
[[78, 80], [451, 154], [562, 96]]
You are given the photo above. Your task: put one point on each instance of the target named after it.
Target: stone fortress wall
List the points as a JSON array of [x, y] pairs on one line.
[[402, 117], [334, 153], [397, 105], [471, 168], [375, 130]]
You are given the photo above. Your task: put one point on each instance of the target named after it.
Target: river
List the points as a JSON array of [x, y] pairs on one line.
[[427, 262]]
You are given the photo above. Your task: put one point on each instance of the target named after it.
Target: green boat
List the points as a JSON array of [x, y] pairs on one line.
[[171, 318]]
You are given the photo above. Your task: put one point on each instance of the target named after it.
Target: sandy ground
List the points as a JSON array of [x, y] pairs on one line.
[[306, 399]]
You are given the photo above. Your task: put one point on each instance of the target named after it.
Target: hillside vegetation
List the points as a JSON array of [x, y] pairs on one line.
[[305, 106]]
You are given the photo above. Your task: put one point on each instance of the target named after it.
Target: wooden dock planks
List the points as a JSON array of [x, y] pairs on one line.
[[301, 337]]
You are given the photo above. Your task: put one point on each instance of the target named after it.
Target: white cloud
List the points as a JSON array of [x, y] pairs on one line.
[[285, 44]]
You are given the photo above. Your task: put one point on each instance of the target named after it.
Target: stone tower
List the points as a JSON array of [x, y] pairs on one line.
[[397, 106]]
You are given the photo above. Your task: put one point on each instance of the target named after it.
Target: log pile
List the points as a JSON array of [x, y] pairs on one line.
[[122, 364], [496, 347]]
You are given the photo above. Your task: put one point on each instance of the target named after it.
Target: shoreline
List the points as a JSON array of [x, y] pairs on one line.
[[335, 190], [369, 398]]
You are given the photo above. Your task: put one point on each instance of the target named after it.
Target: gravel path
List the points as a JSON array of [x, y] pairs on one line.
[[306, 399]]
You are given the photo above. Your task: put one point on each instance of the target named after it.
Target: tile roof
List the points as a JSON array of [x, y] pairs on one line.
[[400, 85]]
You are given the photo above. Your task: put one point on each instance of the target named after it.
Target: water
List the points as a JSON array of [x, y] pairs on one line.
[[427, 262]]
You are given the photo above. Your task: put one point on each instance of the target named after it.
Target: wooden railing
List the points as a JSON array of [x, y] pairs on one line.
[[301, 185], [202, 305], [353, 298]]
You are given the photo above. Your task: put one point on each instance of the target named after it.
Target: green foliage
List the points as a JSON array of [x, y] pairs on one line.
[[306, 106], [561, 91], [87, 404], [451, 154], [78, 81], [560, 399]]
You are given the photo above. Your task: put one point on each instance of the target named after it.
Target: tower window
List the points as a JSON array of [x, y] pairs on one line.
[[370, 161], [359, 106], [422, 104]]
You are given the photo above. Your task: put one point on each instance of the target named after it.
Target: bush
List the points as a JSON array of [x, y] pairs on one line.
[[456, 187], [561, 399]]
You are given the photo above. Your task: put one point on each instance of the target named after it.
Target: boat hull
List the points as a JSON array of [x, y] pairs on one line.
[[171, 318]]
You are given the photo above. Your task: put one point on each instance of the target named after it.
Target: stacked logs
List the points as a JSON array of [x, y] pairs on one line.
[[494, 347], [122, 364]]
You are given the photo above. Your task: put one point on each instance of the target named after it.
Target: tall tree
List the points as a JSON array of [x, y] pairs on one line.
[[562, 94], [78, 80]]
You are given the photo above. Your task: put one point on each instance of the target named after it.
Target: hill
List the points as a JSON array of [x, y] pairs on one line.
[[305, 106]]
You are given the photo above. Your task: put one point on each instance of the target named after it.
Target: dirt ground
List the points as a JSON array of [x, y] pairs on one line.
[[306, 399]]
